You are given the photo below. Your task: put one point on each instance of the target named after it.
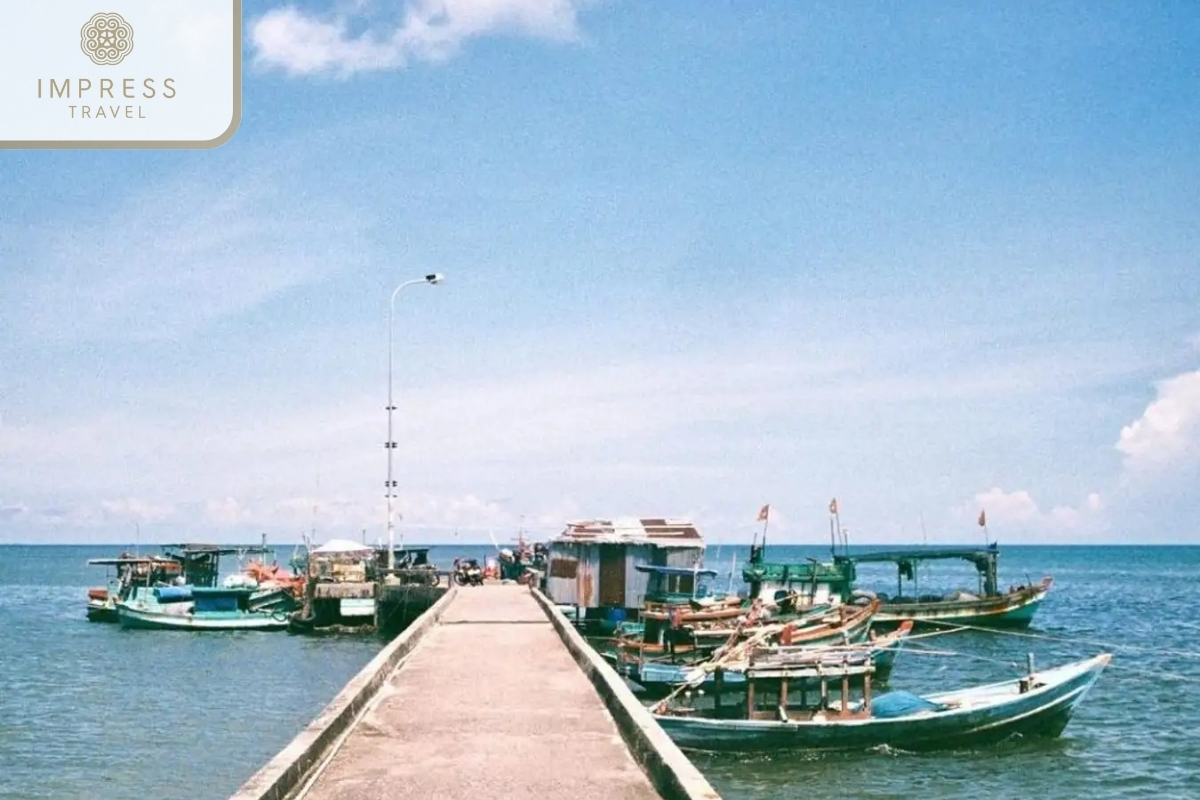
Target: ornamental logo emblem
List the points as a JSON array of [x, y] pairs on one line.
[[106, 39]]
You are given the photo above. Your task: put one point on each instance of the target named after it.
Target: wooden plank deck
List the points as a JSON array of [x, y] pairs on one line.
[[490, 704]]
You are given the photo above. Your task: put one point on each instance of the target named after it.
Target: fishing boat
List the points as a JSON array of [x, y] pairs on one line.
[[190, 597], [687, 591], [834, 582], [200, 609], [658, 678], [772, 719], [846, 624], [132, 574], [988, 607]]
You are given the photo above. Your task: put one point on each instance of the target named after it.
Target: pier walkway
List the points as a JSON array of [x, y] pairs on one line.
[[489, 704]]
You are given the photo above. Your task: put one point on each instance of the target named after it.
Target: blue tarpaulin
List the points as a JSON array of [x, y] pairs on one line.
[[901, 704]]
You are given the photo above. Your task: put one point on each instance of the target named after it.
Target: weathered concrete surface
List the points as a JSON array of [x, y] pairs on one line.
[[282, 774], [675, 777], [489, 705]]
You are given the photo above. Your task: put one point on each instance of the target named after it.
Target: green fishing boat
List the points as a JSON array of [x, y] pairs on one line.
[[133, 574], [834, 582], [203, 609], [989, 606]]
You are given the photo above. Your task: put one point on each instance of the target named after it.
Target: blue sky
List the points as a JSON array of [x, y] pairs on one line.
[[700, 256]]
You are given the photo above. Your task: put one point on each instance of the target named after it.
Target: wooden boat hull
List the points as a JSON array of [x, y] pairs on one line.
[[851, 626], [846, 625], [215, 621], [1012, 610], [659, 678], [995, 713], [688, 615]]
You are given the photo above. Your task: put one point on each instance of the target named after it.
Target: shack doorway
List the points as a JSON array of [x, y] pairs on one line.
[[612, 575]]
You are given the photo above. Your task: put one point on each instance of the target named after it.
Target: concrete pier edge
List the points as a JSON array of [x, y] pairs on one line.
[[672, 773], [288, 770]]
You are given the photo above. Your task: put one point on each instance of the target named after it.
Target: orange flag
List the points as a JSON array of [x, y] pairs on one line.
[[982, 519], [764, 512], [833, 506]]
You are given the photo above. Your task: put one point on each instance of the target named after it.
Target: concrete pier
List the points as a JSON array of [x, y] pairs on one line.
[[495, 700]]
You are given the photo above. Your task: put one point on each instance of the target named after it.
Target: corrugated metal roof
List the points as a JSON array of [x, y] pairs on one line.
[[660, 531]]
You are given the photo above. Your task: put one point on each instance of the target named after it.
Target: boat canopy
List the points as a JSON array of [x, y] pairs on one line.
[[209, 549], [980, 557], [123, 560], [983, 558], [658, 569]]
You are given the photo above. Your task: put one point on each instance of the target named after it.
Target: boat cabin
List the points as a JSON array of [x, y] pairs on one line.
[[404, 557], [213, 600], [800, 585], [676, 585], [592, 566], [785, 686], [202, 562]]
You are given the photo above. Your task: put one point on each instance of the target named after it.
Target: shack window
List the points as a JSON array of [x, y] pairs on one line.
[[563, 568]]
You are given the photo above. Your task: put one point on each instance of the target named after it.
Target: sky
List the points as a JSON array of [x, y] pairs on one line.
[[925, 258]]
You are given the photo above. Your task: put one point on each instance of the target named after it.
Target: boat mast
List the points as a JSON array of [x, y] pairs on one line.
[[835, 524]]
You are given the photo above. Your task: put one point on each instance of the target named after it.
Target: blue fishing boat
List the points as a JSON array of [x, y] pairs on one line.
[[202, 609], [193, 600], [133, 574], [1039, 704]]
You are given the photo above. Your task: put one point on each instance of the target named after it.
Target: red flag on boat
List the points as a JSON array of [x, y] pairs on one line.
[[833, 506], [764, 512], [982, 518]]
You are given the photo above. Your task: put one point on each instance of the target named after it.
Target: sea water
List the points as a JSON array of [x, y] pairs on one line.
[[88, 710]]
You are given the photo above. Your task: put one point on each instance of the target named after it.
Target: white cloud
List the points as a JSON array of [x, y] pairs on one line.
[[1019, 512], [166, 262], [136, 510], [428, 30], [1167, 432]]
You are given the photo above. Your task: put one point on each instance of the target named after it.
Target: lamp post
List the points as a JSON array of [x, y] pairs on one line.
[[390, 444]]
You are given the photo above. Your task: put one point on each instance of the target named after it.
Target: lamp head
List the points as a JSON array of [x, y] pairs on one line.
[[435, 277]]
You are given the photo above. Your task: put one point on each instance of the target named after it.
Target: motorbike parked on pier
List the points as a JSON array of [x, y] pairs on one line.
[[467, 572]]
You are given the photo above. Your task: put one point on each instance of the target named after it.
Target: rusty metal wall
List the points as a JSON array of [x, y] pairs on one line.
[[636, 582], [584, 589]]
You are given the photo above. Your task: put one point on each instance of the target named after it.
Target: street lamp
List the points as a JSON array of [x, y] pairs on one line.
[[390, 444]]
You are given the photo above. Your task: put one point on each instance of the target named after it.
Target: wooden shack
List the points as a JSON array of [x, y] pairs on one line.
[[592, 563]]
